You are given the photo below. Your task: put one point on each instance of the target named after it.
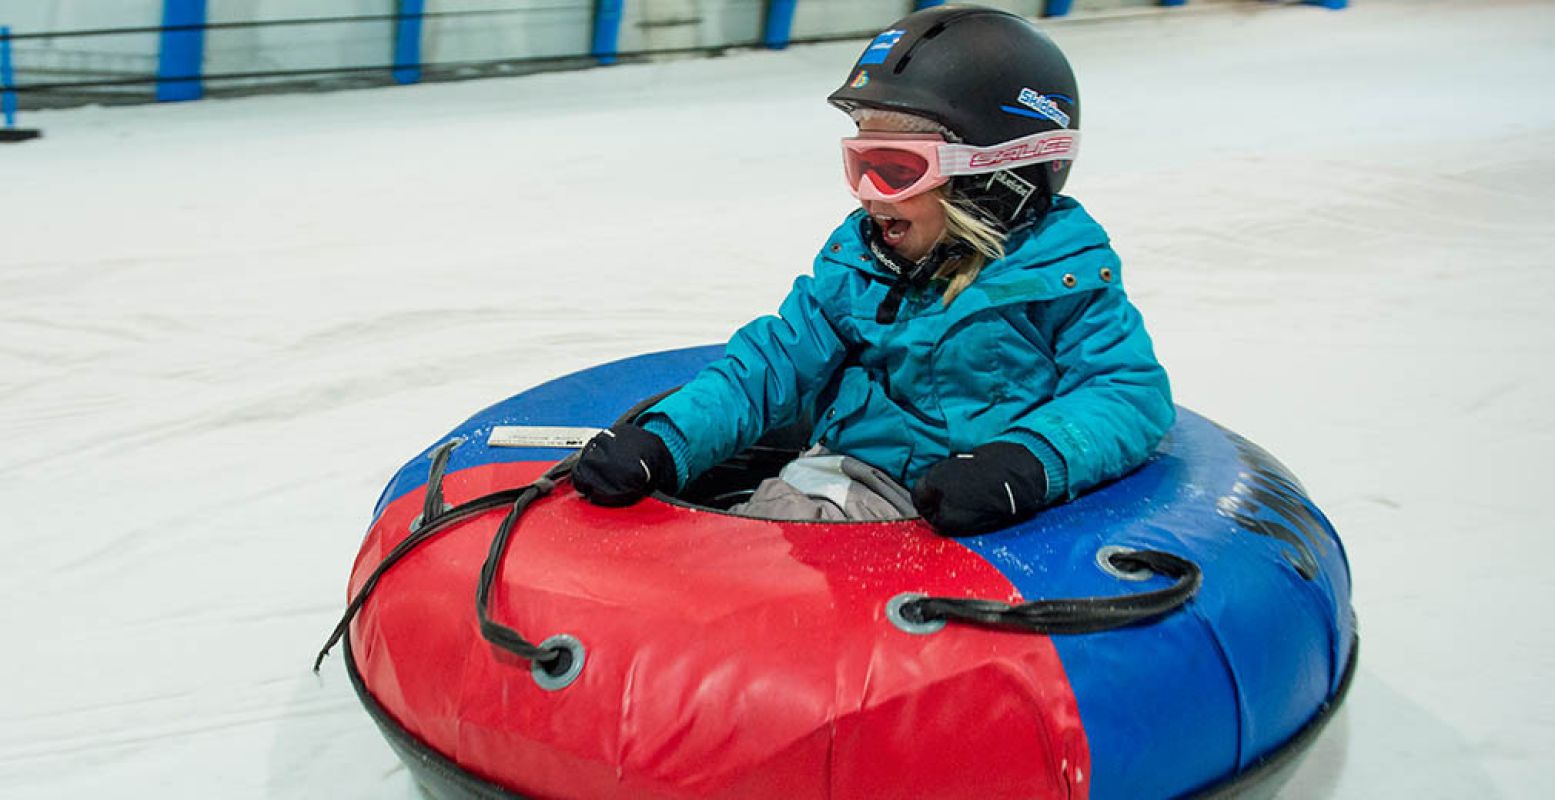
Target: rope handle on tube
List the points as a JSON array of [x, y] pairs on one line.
[[436, 518], [495, 632], [1073, 615], [1058, 616], [518, 499]]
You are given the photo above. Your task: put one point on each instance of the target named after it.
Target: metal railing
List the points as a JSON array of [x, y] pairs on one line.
[[179, 72]]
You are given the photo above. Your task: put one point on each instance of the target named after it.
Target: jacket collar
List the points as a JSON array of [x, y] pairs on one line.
[[1065, 231]]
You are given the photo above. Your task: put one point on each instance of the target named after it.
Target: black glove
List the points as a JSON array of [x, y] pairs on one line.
[[622, 465], [994, 486]]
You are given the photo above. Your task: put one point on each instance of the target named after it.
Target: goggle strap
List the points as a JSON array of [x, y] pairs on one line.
[[1039, 148]]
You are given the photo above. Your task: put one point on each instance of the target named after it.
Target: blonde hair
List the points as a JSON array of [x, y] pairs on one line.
[[965, 226]]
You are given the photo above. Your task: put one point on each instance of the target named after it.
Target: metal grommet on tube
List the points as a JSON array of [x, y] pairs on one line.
[[893, 612], [559, 674], [1104, 560]]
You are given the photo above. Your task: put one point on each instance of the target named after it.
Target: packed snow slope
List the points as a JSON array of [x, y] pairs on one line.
[[223, 325]]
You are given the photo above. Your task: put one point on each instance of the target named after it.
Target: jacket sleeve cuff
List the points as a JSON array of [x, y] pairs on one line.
[[1052, 463], [674, 441]]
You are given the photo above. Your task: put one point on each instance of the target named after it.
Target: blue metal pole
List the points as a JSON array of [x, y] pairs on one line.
[[1056, 8], [607, 30], [7, 97], [919, 5], [407, 41], [181, 60], [780, 23], [1173, 2], [1336, 5]]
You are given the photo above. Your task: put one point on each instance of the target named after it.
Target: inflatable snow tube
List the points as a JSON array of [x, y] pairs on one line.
[[691, 653]]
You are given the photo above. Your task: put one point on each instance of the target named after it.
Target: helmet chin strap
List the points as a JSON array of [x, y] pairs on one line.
[[909, 274]]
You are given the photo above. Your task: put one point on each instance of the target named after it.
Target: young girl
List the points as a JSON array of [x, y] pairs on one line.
[[965, 332]]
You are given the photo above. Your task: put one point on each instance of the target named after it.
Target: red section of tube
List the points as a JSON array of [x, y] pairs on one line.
[[725, 657]]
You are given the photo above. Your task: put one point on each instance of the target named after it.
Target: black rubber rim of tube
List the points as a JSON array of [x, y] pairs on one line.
[[445, 780], [1287, 755]]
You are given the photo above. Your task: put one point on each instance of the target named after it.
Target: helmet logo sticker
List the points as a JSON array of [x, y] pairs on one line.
[[860, 80], [1041, 106], [878, 49]]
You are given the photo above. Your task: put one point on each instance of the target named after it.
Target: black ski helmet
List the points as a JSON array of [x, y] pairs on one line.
[[988, 76]]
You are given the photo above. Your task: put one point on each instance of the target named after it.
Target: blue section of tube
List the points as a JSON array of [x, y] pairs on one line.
[[607, 30], [1056, 8], [1173, 2], [780, 24], [573, 400], [181, 59], [919, 5], [7, 97], [1225, 681], [407, 41], [1336, 5]]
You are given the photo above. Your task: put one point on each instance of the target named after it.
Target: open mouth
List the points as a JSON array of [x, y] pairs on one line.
[[892, 230]]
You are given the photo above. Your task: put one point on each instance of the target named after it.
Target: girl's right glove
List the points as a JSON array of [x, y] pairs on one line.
[[994, 486], [621, 465]]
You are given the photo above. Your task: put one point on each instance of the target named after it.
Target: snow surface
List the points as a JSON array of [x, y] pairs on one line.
[[223, 325]]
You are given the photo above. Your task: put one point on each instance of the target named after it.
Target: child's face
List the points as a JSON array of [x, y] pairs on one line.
[[912, 226]]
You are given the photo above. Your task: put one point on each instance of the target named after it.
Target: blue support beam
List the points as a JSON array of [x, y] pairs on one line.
[[1056, 8], [607, 30], [407, 41], [9, 133], [181, 60], [7, 97], [780, 23]]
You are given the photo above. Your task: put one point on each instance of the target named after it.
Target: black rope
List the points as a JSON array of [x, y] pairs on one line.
[[518, 499], [1074, 615], [495, 632], [554, 660], [435, 519], [1063, 616], [432, 506], [429, 528]]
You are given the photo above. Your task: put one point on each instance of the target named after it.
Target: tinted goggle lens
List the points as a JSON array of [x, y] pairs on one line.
[[890, 170]]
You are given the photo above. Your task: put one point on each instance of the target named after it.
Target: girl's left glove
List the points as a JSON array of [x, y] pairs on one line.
[[994, 486], [621, 465]]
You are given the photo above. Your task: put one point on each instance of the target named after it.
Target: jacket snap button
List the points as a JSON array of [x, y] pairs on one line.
[[836, 248], [1106, 274], [1069, 280], [864, 257], [831, 413]]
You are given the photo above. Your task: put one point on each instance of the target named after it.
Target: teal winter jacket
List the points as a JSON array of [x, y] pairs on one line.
[[1043, 349]]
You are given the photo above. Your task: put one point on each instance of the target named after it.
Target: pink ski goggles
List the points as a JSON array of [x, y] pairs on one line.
[[896, 166]]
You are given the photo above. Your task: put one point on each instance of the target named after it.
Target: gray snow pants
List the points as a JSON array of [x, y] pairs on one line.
[[823, 486]]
